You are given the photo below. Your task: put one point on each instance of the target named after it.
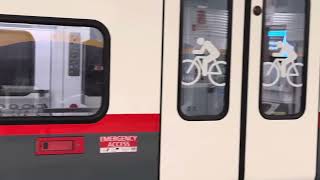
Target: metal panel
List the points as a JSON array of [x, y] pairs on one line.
[[22, 163]]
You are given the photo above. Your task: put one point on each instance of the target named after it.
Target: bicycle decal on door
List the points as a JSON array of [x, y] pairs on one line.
[[204, 64], [284, 65], [284, 57]]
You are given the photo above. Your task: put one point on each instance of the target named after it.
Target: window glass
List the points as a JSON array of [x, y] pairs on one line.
[[284, 58], [204, 59], [51, 70]]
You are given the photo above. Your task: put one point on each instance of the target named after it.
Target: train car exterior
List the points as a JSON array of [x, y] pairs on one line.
[[159, 90], [80, 89]]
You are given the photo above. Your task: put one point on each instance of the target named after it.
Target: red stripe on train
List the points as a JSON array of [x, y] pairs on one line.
[[129, 123]]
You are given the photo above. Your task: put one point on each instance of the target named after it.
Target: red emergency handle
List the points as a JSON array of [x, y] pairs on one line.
[[60, 146]]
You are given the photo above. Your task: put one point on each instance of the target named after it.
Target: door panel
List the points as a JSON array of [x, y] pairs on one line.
[[202, 142], [281, 136]]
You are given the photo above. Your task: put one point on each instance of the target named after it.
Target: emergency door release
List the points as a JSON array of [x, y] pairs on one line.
[[60, 146]]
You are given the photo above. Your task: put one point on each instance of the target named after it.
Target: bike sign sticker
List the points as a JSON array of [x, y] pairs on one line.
[[284, 64], [118, 144], [282, 67], [205, 64]]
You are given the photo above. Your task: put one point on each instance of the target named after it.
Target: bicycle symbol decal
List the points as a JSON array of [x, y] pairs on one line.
[[282, 67], [199, 66]]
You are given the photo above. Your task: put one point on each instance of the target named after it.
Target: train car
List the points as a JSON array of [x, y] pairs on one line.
[[159, 90]]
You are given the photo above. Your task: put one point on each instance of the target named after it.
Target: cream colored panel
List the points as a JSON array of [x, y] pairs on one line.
[[136, 33], [193, 150], [285, 149]]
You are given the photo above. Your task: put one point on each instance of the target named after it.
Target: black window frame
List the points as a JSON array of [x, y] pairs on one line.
[[31, 120], [228, 68], [305, 67]]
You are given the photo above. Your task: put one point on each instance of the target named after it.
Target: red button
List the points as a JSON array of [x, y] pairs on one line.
[[60, 146], [57, 145]]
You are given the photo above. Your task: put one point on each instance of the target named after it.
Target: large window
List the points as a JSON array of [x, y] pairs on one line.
[[284, 58], [204, 59], [51, 69]]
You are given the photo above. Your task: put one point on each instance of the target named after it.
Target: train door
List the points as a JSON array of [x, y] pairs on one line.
[[282, 101], [74, 103], [240, 90], [201, 96]]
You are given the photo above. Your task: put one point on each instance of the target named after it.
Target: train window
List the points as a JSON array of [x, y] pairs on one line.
[[204, 59], [53, 70], [284, 59]]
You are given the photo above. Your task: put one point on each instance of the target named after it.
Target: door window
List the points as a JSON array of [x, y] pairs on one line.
[[284, 59], [204, 59]]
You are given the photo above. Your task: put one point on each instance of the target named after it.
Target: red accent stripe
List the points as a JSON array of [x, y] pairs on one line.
[[109, 124]]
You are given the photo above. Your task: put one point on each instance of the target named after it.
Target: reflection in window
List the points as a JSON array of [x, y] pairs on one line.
[[50, 70], [283, 58], [204, 59]]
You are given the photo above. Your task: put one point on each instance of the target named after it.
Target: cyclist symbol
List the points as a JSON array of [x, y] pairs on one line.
[[199, 66], [272, 71]]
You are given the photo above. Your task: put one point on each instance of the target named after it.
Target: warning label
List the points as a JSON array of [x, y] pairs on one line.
[[118, 144]]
